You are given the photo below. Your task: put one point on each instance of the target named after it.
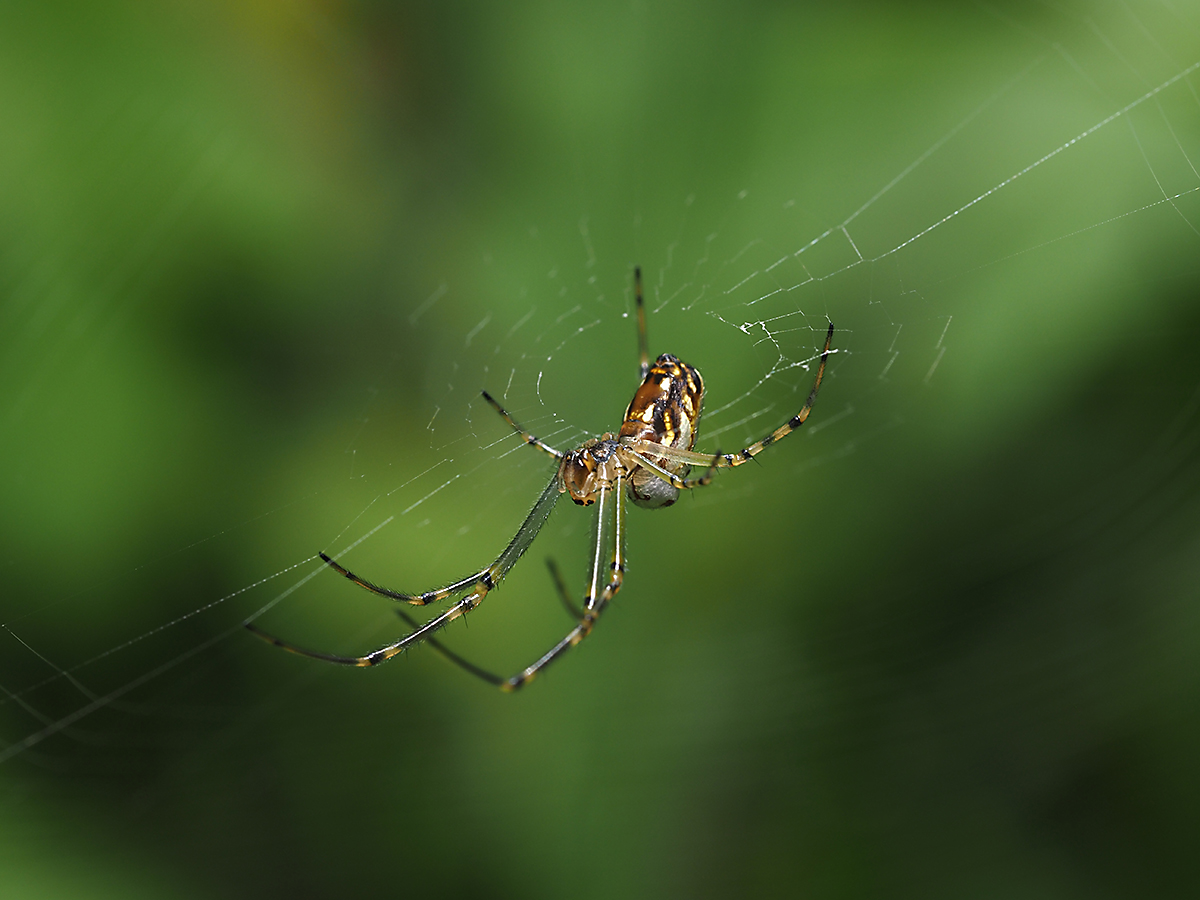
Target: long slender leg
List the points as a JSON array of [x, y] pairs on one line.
[[702, 480], [479, 584], [646, 449], [561, 586], [490, 677], [383, 654], [465, 664], [707, 477], [415, 599], [479, 672], [441, 648], [463, 584], [643, 348], [728, 460], [529, 438], [596, 600]]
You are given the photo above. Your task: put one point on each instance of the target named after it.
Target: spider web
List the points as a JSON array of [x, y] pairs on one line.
[[959, 232]]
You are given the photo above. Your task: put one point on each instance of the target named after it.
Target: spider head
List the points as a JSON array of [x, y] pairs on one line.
[[582, 472]]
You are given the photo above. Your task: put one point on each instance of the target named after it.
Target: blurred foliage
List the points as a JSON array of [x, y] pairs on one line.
[[943, 646]]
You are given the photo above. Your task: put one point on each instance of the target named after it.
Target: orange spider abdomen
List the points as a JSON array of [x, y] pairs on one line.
[[664, 410]]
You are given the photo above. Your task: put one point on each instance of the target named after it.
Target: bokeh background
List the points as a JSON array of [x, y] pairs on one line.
[[258, 258]]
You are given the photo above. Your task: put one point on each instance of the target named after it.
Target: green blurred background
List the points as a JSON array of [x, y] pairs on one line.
[[258, 258]]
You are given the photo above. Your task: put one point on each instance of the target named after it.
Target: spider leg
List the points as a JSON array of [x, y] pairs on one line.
[[645, 449], [480, 585], [477, 671], [728, 460], [707, 477], [416, 599], [497, 570], [643, 348], [597, 598], [467, 665], [563, 594], [383, 654], [441, 648], [529, 438]]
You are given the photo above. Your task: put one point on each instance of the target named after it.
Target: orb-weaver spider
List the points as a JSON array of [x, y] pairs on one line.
[[647, 459]]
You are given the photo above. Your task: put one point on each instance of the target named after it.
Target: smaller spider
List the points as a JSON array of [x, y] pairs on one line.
[[647, 461]]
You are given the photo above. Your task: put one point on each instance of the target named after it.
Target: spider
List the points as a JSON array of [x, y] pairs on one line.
[[647, 461]]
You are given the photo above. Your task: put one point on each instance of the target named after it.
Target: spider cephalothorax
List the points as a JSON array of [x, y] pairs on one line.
[[581, 472], [648, 460]]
